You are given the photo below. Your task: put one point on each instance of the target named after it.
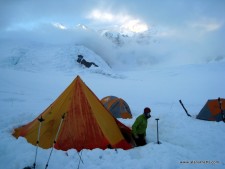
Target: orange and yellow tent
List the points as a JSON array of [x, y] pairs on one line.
[[211, 111], [86, 123], [117, 106]]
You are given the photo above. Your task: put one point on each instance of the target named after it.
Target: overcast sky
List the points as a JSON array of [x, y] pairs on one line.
[[197, 22], [169, 13]]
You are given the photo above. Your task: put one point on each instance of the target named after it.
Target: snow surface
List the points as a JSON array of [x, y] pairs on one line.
[[30, 80]]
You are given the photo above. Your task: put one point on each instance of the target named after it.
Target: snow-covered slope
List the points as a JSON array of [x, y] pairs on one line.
[[34, 74], [39, 57], [186, 142]]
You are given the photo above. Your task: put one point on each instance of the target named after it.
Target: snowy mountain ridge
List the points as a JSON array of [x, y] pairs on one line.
[[39, 57], [122, 36], [118, 48]]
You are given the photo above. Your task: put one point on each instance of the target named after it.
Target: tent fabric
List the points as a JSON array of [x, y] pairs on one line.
[[211, 110], [117, 106], [87, 123]]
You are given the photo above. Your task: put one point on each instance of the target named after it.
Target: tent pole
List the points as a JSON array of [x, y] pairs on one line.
[[56, 137], [38, 138]]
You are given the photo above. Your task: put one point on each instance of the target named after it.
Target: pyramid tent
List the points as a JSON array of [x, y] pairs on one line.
[[117, 106], [211, 111], [86, 123]]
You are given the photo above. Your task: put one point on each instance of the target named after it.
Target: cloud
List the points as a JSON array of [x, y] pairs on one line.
[[206, 25], [123, 20], [135, 25], [25, 11], [182, 28], [101, 16], [72, 12]]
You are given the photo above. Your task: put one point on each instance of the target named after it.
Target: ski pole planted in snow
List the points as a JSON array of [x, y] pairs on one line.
[[56, 137], [157, 120], [37, 143], [184, 108]]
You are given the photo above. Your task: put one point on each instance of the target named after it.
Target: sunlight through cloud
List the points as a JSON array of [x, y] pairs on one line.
[[135, 26], [102, 16], [125, 21]]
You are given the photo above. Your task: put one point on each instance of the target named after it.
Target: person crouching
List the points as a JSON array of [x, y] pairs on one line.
[[139, 127]]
